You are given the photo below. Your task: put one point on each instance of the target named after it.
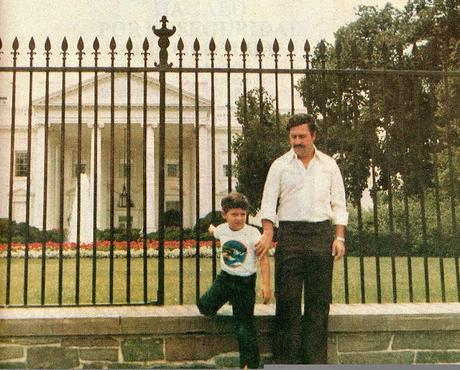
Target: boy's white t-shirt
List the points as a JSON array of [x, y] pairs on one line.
[[238, 256]]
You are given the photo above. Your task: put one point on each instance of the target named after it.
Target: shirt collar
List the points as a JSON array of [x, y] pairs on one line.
[[318, 154]]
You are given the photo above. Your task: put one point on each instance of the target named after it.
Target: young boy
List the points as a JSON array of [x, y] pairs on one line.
[[237, 280]]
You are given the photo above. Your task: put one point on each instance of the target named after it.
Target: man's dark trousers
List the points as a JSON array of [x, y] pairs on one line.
[[240, 292], [303, 257]]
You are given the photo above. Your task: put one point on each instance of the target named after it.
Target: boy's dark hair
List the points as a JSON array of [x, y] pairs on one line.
[[302, 119], [234, 200]]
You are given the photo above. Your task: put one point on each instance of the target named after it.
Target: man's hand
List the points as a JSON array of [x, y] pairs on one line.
[[266, 294], [338, 249], [263, 245]]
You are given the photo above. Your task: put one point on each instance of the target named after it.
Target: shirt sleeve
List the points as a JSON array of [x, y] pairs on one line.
[[218, 231], [338, 201], [256, 235], [271, 194]]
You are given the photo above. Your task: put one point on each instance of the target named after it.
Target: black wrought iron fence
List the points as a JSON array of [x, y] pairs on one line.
[[113, 173]]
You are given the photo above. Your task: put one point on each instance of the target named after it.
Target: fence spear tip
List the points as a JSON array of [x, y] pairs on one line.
[[31, 44], [145, 45], [129, 44], [306, 47], [64, 45], [47, 44], [96, 44], [196, 45], [290, 46], [276, 46], [180, 44], [322, 48], [15, 43], [244, 46], [260, 47], [212, 45], [113, 44], [80, 44]]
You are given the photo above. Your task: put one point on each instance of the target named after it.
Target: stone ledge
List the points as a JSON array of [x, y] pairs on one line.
[[25, 327], [104, 320]]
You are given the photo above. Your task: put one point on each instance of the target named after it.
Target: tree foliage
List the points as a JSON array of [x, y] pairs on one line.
[[389, 121], [263, 138], [400, 129]]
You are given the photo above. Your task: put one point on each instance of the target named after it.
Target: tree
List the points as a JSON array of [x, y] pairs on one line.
[[263, 139], [400, 127], [389, 106]]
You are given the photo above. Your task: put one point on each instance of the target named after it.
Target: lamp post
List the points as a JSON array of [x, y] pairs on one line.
[[123, 199]]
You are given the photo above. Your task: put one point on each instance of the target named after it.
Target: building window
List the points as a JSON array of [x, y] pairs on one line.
[[78, 169], [123, 221], [20, 165], [172, 170], [123, 168], [172, 205], [226, 171]]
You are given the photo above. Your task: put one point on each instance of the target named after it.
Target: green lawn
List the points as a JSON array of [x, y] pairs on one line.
[[172, 280]]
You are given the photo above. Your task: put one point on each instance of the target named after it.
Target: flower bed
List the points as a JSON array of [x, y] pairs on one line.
[[102, 248]]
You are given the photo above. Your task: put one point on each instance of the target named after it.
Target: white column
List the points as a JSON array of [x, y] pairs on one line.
[[205, 170], [151, 199], [37, 175], [99, 172]]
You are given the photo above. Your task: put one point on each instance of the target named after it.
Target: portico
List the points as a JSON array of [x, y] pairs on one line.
[[93, 144]]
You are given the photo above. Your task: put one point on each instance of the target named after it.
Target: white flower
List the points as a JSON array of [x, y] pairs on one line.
[[205, 252]]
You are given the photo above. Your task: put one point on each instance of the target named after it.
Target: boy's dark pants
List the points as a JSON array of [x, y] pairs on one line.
[[302, 259], [240, 292]]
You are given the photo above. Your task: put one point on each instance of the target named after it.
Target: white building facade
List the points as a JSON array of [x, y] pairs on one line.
[[96, 154]]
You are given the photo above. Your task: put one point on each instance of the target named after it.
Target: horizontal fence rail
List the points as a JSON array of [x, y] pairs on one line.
[[264, 71], [115, 166]]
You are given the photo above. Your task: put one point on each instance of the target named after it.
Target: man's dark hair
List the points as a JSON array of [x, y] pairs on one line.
[[302, 119], [234, 200]]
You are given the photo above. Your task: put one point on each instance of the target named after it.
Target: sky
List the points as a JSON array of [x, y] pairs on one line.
[[202, 19], [234, 20]]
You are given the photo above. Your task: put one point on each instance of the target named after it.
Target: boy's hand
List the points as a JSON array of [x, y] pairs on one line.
[[266, 294], [211, 229]]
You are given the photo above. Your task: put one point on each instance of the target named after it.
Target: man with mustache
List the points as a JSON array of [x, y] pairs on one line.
[[304, 193]]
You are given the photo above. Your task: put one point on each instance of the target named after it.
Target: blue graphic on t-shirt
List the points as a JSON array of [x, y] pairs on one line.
[[233, 253]]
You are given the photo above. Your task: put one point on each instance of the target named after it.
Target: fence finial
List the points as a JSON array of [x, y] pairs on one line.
[[163, 42], [47, 45]]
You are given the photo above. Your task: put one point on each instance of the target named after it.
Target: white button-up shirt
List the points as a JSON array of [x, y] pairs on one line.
[[311, 194]]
